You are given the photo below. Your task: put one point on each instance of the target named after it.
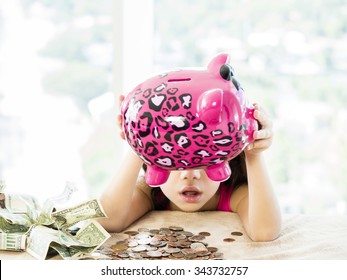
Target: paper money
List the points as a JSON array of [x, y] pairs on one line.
[[89, 238], [70, 216], [13, 241], [39, 241], [24, 225], [52, 203], [92, 234]]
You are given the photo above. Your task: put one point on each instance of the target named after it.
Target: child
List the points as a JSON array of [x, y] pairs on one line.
[[247, 192]]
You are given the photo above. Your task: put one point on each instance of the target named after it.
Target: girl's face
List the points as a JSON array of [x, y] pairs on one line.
[[189, 190]]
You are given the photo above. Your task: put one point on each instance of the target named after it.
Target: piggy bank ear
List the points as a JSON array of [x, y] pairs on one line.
[[217, 62]]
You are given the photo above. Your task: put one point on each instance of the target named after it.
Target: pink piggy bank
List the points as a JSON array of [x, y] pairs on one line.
[[189, 119]]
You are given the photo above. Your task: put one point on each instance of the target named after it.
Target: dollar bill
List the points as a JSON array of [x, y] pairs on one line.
[[40, 239], [50, 205], [13, 241], [87, 210], [18, 203], [19, 224], [90, 237], [93, 234]]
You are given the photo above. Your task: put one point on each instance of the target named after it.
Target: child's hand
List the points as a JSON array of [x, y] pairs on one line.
[[263, 136], [119, 117]]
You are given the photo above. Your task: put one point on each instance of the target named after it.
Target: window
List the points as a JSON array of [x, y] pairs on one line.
[[55, 83]]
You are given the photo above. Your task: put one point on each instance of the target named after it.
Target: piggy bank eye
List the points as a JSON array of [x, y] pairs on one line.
[[226, 71]]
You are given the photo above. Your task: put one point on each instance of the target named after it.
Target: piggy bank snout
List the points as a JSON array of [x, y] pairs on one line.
[[210, 105]]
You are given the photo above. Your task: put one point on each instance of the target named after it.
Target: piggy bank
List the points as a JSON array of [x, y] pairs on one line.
[[189, 118]]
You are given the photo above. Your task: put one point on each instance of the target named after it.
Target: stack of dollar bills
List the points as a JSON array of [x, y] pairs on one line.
[[72, 232]]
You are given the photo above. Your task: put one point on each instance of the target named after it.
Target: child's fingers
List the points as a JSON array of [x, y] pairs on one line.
[[120, 126], [120, 100], [262, 118], [262, 134], [120, 118], [260, 144]]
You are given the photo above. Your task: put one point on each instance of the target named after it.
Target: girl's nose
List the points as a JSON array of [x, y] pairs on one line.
[[190, 174]]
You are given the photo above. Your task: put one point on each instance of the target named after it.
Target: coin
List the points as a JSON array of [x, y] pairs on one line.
[[119, 246], [131, 232], [228, 239], [204, 233], [165, 231], [181, 237], [212, 249], [123, 255], [178, 255], [196, 238], [141, 235], [154, 231], [176, 228], [203, 253], [197, 245], [172, 250], [188, 251], [171, 238], [133, 243], [135, 256], [144, 241], [187, 233], [237, 233], [154, 254], [217, 256], [139, 248]]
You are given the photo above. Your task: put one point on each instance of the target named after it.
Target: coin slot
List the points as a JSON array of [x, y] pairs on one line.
[[179, 80]]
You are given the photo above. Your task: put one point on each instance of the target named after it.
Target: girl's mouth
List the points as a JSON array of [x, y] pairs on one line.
[[190, 194]]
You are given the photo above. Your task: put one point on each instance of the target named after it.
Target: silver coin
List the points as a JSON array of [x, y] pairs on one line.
[[196, 245], [144, 241], [154, 254], [172, 250], [133, 243], [139, 248], [142, 235]]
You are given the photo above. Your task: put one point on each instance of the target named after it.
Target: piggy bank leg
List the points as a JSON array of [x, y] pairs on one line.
[[219, 172], [156, 176]]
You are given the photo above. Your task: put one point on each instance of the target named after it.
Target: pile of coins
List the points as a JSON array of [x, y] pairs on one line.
[[165, 243]]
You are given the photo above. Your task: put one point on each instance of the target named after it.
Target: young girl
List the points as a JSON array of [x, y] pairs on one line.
[[247, 192]]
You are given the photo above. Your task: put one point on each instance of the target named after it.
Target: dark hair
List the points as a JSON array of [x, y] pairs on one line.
[[237, 178]]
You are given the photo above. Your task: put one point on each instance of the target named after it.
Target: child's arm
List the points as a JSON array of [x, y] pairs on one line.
[[124, 201], [126, 198], [256, 203]]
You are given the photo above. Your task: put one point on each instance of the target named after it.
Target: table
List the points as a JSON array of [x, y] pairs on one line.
[[311, 237]]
